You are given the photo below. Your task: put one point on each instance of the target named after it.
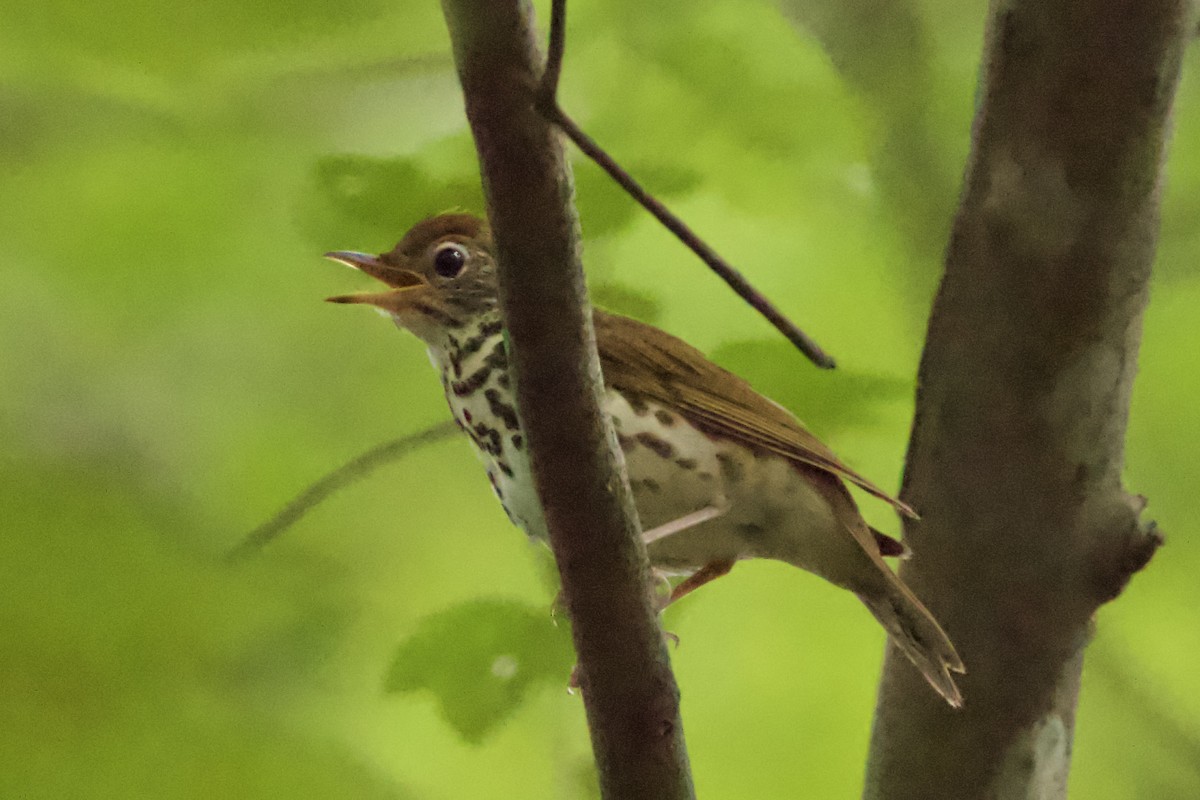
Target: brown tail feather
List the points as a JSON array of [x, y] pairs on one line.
[[918, 635]]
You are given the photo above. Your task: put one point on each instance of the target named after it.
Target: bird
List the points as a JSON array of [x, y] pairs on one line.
[[719, 472]]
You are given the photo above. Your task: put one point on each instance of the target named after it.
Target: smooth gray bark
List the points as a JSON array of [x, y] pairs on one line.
[[1017, 446]]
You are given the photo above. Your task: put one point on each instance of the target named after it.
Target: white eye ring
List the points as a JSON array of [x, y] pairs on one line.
[[449, 259]]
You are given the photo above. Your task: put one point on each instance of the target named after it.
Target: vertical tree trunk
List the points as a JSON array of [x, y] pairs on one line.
[[628, 689], [1017, 446]]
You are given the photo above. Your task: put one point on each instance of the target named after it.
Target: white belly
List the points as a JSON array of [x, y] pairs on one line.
[[768, 509]]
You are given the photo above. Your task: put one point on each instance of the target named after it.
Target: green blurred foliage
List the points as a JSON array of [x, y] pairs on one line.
[[169, 378], [479, 659], [853, 400], [373, 197]]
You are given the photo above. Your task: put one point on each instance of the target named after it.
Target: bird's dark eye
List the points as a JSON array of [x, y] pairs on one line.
[[449, 259]]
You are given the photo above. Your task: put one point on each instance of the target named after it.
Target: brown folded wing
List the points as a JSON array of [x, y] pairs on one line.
[[638, 358]]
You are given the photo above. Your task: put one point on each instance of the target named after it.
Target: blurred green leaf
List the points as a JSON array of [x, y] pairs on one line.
[[587, 782], [622, 299], [882, 50], [825, 401], [376, 199], [480, 659], [135, 667], [605, 208], [169, 376], [766, 105], [159, 36]]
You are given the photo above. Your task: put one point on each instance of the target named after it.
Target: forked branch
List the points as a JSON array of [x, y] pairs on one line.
[[547, 100]]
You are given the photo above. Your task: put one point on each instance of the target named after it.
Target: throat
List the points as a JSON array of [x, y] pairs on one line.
[[462, 353], [475, 377]]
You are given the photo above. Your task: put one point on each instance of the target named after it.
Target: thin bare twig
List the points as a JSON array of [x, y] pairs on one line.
[[548, 88], [320, 490], [735, 279], [547, 98]]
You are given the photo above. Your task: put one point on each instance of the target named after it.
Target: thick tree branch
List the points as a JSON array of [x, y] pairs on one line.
[[1017, 446], [629, 692]]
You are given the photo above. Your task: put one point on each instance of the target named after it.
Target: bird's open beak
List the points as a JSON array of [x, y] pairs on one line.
[[405, 283]]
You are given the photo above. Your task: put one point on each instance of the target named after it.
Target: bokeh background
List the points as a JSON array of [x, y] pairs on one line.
[[169, 377]]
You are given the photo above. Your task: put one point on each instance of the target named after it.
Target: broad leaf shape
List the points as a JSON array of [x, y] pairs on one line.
[[480, 659], [624, 299], [825, 401]]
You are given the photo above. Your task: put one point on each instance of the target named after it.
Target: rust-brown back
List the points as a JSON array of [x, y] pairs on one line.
[[644, 360]]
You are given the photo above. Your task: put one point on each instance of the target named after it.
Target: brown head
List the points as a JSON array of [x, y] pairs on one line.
[[441, 277]]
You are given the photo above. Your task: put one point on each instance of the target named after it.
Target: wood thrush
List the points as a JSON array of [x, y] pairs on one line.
[[719, 472]]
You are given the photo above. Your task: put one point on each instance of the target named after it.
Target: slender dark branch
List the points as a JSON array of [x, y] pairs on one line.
[[320, 490], [547, 100], [548, 88], [629, 691], [685, 234]]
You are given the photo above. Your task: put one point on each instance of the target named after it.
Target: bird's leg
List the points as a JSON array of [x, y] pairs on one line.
[[661, 599], [706, 573], [709, 572], [683, 523]]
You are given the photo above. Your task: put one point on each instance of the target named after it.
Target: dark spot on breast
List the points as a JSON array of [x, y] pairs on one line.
[[704, 475], [661, 447], [665, 417], [473, 382], [651, 485], [476, 342], [474, 438], [627, 443], [503, 380], [517, 441], [638, 405], [467, 415], [488, 439], [495, 486], [731, 470], [438, 315], [616, 421], [497, 359], [505, 468], [685, 463], [503, 411]]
